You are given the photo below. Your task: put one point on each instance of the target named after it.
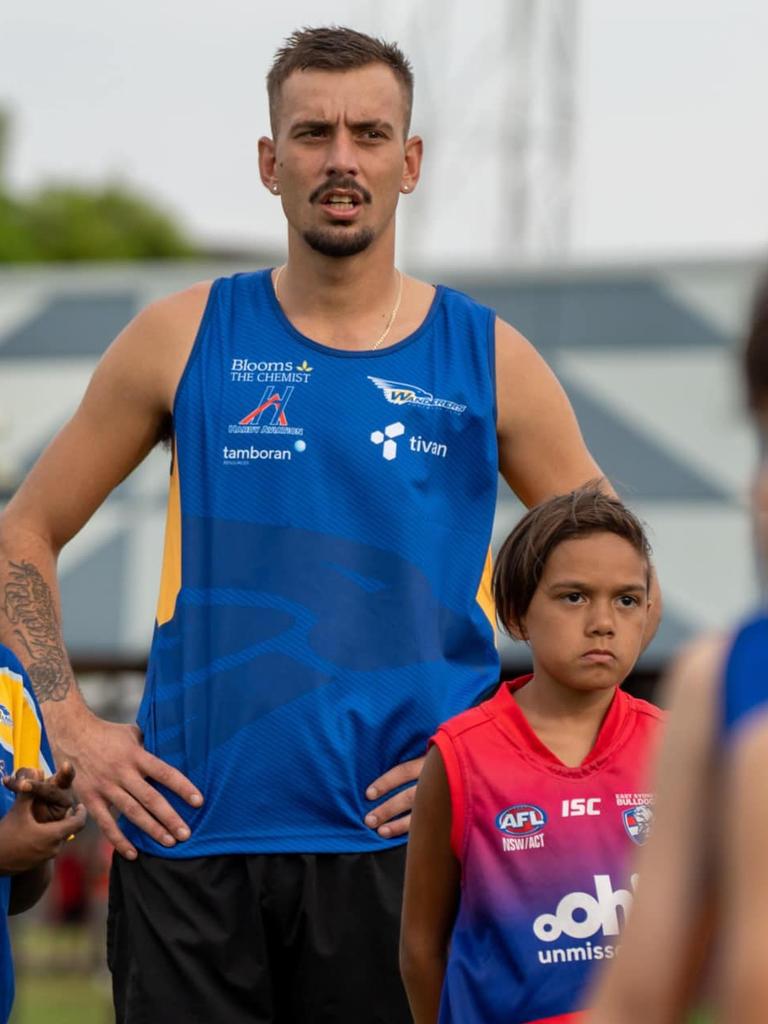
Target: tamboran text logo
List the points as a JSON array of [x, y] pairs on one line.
[[398, 393], [276, 371], [637, 822], [242, 456], [269, 416], [582, 915]]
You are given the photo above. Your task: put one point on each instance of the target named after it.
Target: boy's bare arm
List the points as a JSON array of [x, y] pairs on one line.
[[118, 422], [662, 948], [432, 878]]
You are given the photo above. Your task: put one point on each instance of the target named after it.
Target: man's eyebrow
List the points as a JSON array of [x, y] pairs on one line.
[[310, 123], [362, 126]]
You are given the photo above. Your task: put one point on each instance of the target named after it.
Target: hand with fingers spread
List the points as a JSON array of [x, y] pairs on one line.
[[52, 798], [114, 771], [393, 817]]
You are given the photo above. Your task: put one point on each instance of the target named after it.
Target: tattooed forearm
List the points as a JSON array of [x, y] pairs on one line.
[[29, 607]]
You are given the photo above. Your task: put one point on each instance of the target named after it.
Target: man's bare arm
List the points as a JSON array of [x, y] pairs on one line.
[[118, 422], [541, 450], [666, 938]]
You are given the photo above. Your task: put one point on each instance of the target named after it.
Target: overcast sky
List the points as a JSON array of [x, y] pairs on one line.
[[670, 99]]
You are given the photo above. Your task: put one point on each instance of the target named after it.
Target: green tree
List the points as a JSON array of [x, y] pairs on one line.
[[71, 221], [74, 222]]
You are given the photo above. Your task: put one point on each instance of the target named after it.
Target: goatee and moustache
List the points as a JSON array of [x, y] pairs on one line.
[[348, 241]]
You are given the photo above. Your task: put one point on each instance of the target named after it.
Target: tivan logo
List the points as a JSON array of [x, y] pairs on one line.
[[387, 439], [580, 915], [5, 715], [521, 820]]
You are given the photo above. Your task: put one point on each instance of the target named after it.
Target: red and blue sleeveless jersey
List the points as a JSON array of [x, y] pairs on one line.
[[745, 687], [546, 858], [324, 600]]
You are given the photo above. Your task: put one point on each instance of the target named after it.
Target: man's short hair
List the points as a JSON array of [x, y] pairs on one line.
[[523, 555], [756, 352], [335, 49]]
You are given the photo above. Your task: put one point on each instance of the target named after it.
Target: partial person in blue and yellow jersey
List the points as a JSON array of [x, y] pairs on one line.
[[37, 813], [337, 431], [703, 902]]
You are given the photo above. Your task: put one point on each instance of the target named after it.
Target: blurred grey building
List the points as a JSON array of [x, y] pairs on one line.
[[646, 353]]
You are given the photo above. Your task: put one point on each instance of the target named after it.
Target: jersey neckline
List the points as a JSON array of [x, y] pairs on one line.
[[510, 718], [317, 346]]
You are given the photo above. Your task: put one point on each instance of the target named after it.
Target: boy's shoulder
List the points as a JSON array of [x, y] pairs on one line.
[[645, 720], [643, 709], [466, 721]]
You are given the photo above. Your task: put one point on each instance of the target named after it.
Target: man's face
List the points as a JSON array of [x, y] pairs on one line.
[[340, 156]]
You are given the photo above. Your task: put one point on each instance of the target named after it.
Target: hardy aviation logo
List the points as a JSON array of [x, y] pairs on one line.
[[269, 416], [398, 393], [5, 716], [637, 822]]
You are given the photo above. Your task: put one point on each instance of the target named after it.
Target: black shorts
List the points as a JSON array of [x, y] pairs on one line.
[[272, 938]]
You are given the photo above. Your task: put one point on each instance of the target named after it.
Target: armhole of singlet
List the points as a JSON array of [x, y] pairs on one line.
[[197, 343], [492, 317], [456, 789]]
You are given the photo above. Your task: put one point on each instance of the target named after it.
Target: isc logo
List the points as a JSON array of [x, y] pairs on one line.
[[521, 820], [581, 915], [580, 806]]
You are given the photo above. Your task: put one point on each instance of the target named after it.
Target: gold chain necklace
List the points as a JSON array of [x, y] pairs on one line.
[[392, 315]]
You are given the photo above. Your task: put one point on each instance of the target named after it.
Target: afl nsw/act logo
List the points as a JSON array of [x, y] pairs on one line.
[[521, 820], [5, 715]]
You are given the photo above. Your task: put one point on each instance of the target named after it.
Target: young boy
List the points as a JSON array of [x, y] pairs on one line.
[[37, 814], [530, 805], [705, 873]]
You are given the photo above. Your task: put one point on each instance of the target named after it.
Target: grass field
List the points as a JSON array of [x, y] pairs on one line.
[[61, 999]]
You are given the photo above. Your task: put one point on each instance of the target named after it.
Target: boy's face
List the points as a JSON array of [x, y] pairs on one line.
[[586, 621]]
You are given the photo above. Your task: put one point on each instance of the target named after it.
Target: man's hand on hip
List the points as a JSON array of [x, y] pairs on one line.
[[113, 771], [384, 818]]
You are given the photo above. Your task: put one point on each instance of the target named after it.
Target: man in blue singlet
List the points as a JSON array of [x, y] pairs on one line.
[[337, 430], [704, 870]]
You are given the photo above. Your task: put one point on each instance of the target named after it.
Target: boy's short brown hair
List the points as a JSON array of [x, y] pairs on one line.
[[335, 49], [523, 555]]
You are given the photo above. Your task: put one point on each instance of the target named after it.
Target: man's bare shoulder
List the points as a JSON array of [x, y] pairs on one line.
[[146, 360], [178, 312]]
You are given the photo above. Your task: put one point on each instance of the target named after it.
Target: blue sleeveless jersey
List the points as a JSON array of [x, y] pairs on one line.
[[746, 675], [324, 601]]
